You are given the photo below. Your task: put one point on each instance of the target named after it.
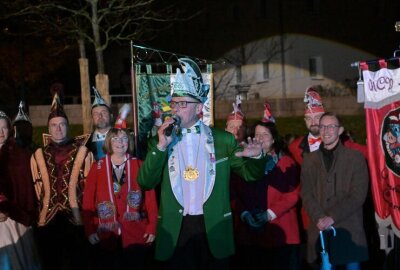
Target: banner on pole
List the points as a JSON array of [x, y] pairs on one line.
[[382, 109]]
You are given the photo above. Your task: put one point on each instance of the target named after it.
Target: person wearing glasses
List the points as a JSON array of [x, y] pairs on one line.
[[334, 185], [119, 217], [193, 166]]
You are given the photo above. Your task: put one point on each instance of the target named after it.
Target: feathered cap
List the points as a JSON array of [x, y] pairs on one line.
[[98, 99], [237, 114], [267, 117], [22, 116], [121, 119], [313, 101], [57, 109], [189, 83]]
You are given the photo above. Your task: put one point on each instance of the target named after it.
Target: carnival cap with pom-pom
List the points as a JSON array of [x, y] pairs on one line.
[[313, 101], [237, 113], [267, 116]]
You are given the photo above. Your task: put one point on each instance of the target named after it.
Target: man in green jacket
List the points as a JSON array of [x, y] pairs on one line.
[[193, 165]]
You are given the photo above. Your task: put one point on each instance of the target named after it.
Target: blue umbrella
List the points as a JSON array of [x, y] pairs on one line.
[[325, 263]]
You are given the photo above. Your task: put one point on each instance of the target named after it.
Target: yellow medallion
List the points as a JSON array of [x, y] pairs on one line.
[[190, 173]]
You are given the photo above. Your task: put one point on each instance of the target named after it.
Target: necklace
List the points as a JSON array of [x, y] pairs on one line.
[[118, 175], [191, 173]]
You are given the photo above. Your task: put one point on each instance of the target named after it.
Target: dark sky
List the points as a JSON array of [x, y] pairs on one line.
[[225, 24], [220, 26]]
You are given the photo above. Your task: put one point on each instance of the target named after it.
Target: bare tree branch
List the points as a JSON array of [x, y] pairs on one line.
[[98, 23]]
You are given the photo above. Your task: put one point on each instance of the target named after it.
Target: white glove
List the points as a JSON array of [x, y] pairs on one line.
[[94, 238]]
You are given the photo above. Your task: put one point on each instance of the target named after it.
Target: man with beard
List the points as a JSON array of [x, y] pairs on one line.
[[101, 117], [313, 112], [307, 144]]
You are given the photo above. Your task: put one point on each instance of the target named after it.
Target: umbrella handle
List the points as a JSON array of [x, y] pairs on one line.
[[333, 230], [321, 236]]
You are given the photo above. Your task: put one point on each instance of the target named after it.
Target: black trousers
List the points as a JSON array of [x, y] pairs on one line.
[[192, 251], [62, 245]]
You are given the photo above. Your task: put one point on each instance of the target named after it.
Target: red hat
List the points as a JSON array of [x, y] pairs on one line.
[[313, 101], [121, 119], [57, 109], [267, 117], [237, 114]]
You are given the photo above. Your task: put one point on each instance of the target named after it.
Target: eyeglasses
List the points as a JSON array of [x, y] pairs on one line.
[[120, 139], [181, 104], [328, 127]]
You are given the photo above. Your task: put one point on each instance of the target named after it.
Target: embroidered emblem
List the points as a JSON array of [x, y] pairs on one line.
[[105, 210], [134, 198], [390, 138]]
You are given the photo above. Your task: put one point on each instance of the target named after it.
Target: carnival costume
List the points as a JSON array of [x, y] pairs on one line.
[[18, 250], [59, 170], [208, 178], [112, 207]]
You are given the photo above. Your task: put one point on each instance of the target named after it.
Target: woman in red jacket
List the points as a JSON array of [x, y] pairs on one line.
[[267, 230], [119, 218]]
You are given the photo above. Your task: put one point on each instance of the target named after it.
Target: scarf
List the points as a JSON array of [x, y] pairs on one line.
[[107, 210]]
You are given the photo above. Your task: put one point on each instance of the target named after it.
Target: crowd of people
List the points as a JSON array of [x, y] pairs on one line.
[[202, 198]]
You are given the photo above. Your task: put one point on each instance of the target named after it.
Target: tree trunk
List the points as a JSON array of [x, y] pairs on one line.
[[102, 83], [97, 39]]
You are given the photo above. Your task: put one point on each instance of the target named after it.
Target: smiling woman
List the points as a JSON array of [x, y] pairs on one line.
[[119, 217]]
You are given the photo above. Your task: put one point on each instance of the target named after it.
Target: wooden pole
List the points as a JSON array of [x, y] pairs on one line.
[[85, 95], [102, 84], [134, 103]]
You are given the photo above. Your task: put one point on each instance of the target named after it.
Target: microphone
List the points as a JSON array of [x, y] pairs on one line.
[[170, 128]]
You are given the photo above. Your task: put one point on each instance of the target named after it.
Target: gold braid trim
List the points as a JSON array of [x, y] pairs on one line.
[[73, 182], [43, 175]]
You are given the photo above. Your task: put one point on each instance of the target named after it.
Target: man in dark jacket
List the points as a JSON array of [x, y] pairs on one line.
[[334, 185]]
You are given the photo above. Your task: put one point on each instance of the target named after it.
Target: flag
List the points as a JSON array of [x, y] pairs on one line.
[[382, 109]]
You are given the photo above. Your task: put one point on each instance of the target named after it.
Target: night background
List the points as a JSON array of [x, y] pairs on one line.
[[30, 64]]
